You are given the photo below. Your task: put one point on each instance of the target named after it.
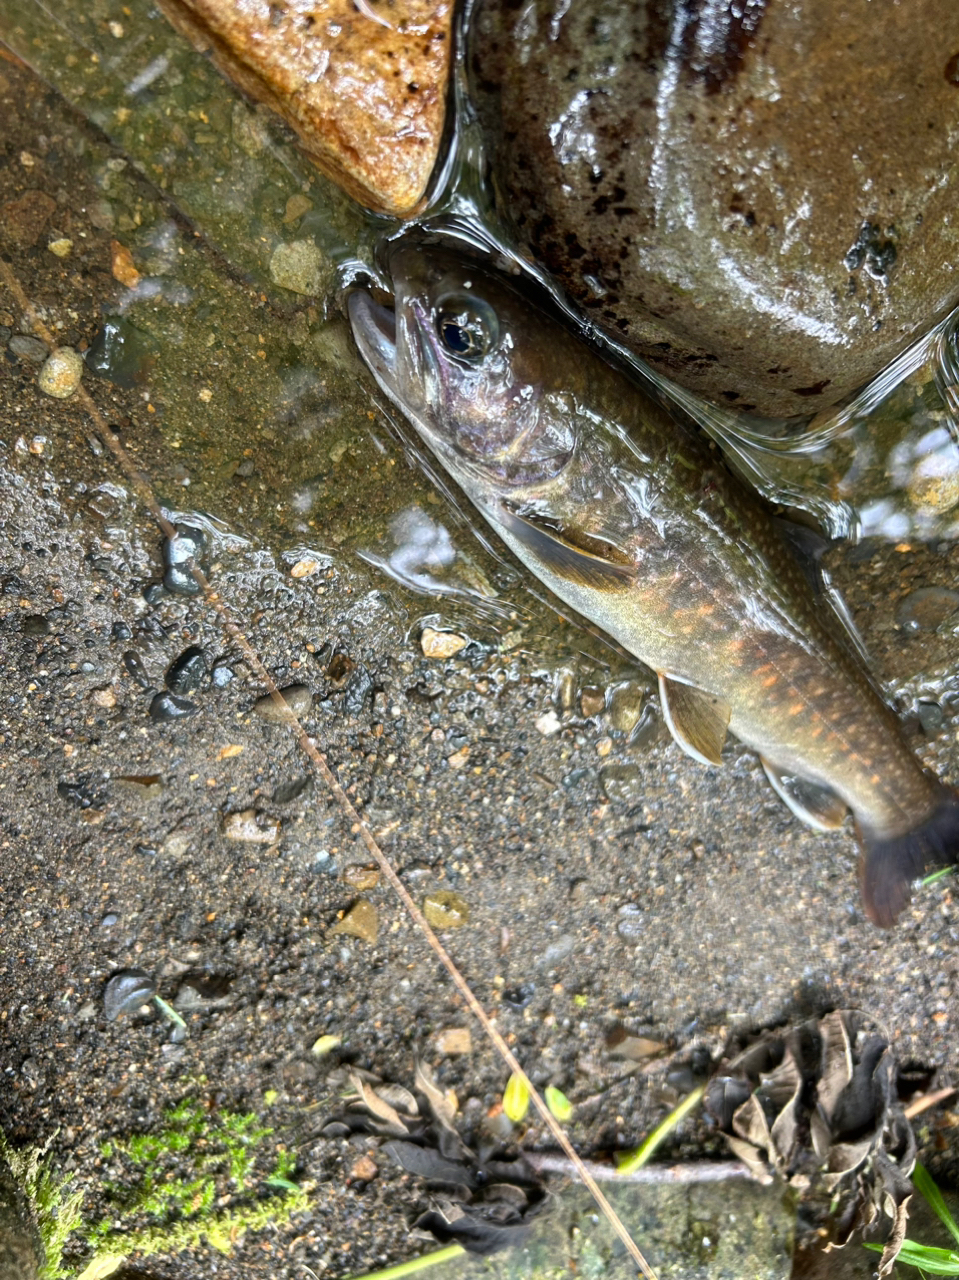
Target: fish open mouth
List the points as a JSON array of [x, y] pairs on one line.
[[374, 330]]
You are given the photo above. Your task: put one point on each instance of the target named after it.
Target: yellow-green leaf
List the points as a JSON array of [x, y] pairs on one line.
[[559, 1104], [516, 1099], [103, 1265]]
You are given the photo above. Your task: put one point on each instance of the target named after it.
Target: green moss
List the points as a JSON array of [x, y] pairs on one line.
[[192, 1180], [57, 1209], [174, 1176]]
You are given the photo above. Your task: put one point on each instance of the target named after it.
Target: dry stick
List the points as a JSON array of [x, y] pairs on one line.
[[927, 1100], [358, 826], [690, 1173]]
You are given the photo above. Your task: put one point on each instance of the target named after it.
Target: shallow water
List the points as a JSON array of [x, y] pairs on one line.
[[267, 420], [295, 396]]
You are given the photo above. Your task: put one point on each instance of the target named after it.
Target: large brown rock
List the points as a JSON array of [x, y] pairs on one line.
[[363, 83], [758, 197]]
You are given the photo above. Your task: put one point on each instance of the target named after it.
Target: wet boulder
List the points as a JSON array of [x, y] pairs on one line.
[[363, 84], [758, 198]]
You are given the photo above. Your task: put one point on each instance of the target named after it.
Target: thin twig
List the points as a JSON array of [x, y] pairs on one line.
[[319, 762], [927, 1100], [652, 1175]]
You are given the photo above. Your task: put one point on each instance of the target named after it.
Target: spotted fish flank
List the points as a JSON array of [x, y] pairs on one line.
[[627, 516]]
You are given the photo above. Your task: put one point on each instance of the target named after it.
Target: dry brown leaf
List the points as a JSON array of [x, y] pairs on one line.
[[376, 1105], [443, 1112]]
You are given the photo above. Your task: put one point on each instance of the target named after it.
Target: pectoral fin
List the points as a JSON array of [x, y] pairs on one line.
[[817, 806], [569, 553], [697, 720]]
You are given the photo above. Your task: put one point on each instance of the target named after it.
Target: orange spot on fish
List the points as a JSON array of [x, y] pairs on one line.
[[875, 779], [770, 681], [795, 710], [767, 666]]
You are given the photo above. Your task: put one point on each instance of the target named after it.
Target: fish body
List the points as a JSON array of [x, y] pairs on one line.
[[633, 520]]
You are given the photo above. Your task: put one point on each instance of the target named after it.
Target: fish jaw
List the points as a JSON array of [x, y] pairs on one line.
[[374, 331]]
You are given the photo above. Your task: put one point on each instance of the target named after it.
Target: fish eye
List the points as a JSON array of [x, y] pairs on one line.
[[467, 327]]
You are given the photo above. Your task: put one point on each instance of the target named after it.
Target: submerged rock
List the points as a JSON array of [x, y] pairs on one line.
[[364, 85], [757, 199]]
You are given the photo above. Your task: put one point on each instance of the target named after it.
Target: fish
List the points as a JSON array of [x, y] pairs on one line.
[[631, 517]]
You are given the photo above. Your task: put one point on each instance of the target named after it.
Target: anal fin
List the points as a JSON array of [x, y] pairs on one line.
[[817, 806], [698, 721]]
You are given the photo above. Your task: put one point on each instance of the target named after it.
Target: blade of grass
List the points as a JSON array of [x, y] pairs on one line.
[[936, 1262], [937, 875], [357, 824], [636, 1159], [415, 1265], [924, 1184]]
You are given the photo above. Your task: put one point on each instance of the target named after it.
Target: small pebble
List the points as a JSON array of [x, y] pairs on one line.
[[250, 827], [222, 674], [630, 922], [441, 644], [300, 267], [623, 784], [358, 691], [926, 608], [126, 991], [446, 910], [61, 248], [592, 702], [361, 921], [109, 920], [558, 950], [548, 723], [297, 697], [167, 706], [453, 1041], [931, 718], [179, 581], [364, 1169], [187, 672], [120, 631], [626, 706], [296, 206], [189, 544], [25, 347], [134, 664], [361, 875], [61, 373]]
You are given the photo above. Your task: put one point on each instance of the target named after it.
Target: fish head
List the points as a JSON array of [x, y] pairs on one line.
[[469, 359]]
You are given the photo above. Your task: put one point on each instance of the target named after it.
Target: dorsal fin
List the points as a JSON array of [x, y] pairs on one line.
[[817, 806], [698, 721], [568, 552]]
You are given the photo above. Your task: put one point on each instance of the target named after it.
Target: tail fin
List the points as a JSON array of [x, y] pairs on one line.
[[889, 865]]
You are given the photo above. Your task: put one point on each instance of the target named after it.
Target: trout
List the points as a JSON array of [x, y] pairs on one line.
[[633, 520]]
